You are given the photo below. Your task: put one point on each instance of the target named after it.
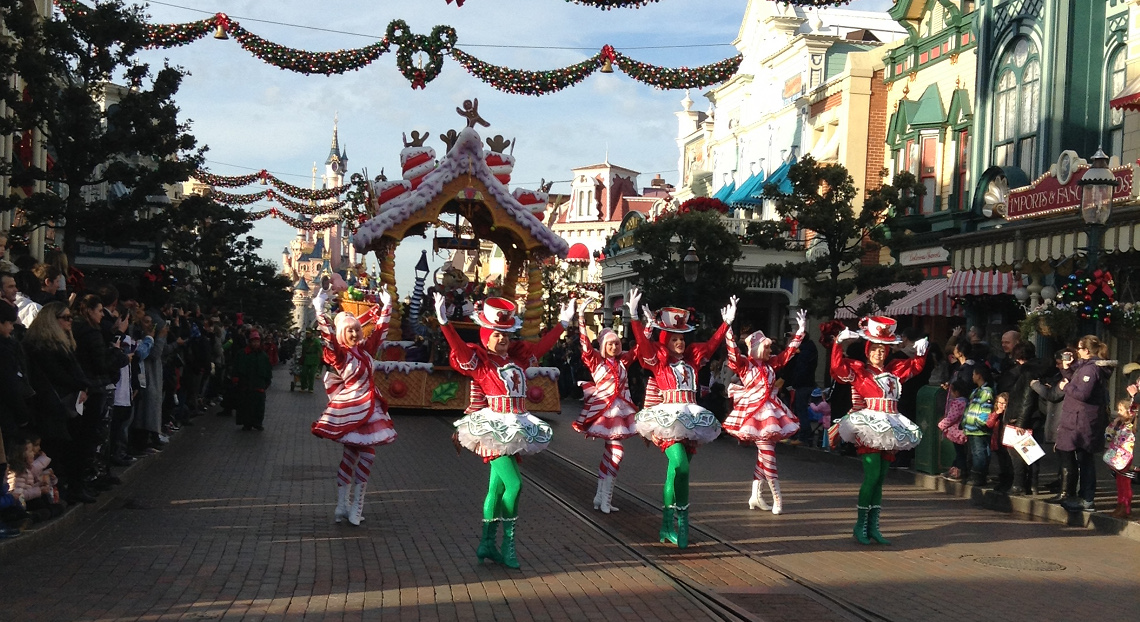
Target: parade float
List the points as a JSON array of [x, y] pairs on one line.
[[465, 194]]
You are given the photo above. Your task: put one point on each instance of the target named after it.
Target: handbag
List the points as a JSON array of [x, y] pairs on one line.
[[1118, 454]]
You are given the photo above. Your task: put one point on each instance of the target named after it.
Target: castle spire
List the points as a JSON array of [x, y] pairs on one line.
[[334, 150]]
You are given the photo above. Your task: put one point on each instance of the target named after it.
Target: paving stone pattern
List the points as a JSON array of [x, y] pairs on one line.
[[238, 525]]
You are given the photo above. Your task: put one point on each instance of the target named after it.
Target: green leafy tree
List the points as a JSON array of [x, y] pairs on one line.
[[254, 287], [557, 284], [123, 151], [200, 237], [664, 243], [835, 240]]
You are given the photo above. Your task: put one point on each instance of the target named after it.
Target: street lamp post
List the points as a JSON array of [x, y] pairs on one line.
[[1097, 186], [689, 268]]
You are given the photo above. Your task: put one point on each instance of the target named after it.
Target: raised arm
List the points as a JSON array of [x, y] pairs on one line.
[[735, 361], [782, 358], [590, 356], [462, 357], [842, 368], [380, 333], [906, 369]]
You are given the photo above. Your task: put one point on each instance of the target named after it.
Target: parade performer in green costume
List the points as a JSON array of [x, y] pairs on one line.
[[677, 425], [310, 360], [503, 430], [874, 423]]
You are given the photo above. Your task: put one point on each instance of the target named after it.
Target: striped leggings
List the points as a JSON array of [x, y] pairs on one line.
[[765, 462], [356, 463], [611, 460]]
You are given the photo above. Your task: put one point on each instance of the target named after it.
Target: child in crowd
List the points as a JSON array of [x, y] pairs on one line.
[[975, 424], [26, 483], [819, 411], [951, 426], [994, 423], [1120, 440]]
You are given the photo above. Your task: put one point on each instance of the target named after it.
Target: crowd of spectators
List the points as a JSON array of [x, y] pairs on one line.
[[97, 376]]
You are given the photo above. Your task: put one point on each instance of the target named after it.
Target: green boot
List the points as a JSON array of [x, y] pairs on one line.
[[487, 548], [873, 525], [682, 540], [668, 531], [861, 526], [508, 554]]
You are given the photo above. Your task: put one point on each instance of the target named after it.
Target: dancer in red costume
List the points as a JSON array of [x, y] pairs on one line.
[[504, 429], [357, 415], [874, 423], [758, 416], [608, 411], [677, 425]]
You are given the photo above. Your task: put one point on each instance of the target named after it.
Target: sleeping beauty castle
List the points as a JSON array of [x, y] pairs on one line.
[[320, 251]]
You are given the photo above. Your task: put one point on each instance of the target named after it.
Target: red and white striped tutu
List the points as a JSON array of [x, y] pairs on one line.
[[770, 421], [605, 417]]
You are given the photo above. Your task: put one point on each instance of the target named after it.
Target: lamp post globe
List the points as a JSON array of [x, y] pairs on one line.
[[689, 265], [1097, 185]]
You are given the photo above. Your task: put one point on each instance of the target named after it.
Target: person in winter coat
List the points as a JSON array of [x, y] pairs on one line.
[[1048, 390], [15, 385], [59, 382], [101, 360], [1084, 416], [1024, 413], [252, 375]]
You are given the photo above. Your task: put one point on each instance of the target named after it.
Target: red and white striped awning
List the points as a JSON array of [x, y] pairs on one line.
[[982, 283], [928, 298]]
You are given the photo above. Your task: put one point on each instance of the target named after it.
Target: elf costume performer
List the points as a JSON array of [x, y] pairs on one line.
[[608, 411], [504, 429], [874, 423], [758, 416], [677, 425], [357, 415]]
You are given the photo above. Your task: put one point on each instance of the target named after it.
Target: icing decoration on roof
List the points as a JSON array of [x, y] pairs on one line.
[[465, 157]]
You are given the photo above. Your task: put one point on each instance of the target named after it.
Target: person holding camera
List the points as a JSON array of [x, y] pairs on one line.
[[1084, 417]]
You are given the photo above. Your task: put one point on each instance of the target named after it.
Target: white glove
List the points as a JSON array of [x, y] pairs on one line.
[[385, 297], [320, 300], [567, 313], [633, 302], [440, 308], [647, 312], [728, 313], [847, 335], [920, 346], [801, 322]]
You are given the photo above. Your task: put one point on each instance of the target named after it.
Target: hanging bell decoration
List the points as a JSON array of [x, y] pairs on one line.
[[220, 32], [607, 66], [607, 59]]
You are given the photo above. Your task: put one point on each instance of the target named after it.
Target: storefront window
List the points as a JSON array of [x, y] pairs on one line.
[[1017, 107], [1114, 130]]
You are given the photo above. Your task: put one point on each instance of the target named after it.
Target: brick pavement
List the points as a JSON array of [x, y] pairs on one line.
[[938, 567], [237, 525]]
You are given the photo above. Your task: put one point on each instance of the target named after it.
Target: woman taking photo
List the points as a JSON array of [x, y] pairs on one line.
[[59, 383], [1084, 416]]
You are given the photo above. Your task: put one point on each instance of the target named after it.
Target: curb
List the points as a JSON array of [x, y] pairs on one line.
[[1036, 507], [32, 537]]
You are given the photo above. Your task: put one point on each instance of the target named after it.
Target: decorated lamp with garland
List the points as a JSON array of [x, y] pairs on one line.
[[1091, 296]]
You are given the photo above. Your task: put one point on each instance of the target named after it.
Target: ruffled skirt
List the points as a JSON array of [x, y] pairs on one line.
[[665, 424], [616, 422], [879, 430], [491, 434], [352, 429], [771, 422]]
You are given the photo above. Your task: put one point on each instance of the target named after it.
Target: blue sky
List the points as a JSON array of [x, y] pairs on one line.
[[253, 115]]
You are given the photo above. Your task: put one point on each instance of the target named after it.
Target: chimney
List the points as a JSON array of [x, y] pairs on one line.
[[657, 182]]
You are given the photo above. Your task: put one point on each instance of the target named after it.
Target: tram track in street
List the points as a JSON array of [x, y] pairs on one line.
[[716, 603]]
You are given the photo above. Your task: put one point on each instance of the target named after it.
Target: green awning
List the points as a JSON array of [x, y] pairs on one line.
[[929, 112]]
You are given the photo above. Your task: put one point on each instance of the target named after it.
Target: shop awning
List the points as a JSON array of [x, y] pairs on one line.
[[749, 192], [856, 300], [929, 298], [981, 283], [780, 179], [725, 191], [578, 254], [1129, 98]]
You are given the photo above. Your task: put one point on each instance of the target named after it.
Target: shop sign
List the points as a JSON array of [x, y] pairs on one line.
[[922, 256], [133, 254], [1059, 190]]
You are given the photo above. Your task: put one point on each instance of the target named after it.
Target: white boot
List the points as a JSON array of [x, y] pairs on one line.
[[777, 501], [356, 511], [608, 495], [756, 501], [598, 495], [342, 502]]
